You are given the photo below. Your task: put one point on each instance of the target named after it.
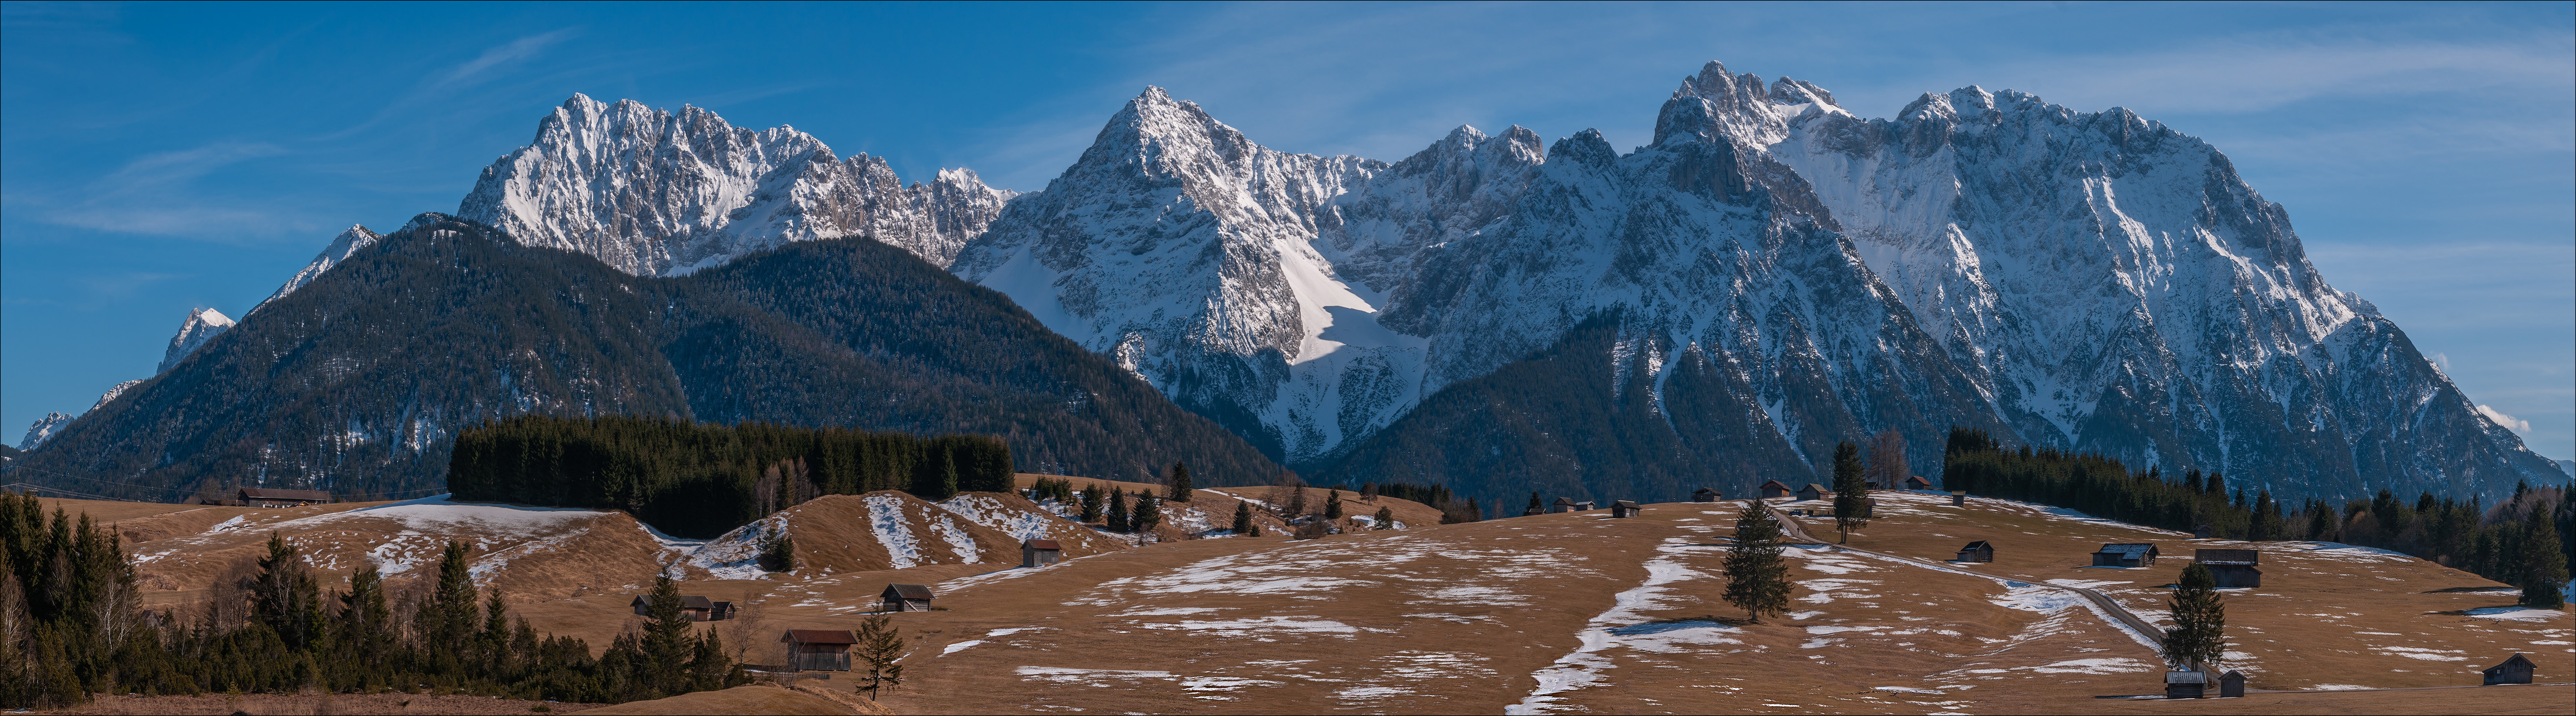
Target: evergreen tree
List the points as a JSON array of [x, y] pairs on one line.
[[1333, 506], [1851, 491], [778, 553], [1242, 518], [1757, 577], [447, 621], [1535, 506], [286, 597], [366, 633], [2544, 566], [1180, 482], [1091, 504], [1149, 513], [1385, 518], [1118, 521], [2198, 637], [668, 642], [879, 650]]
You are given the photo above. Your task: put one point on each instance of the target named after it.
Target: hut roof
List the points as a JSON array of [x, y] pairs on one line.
[[1979, 544], [1043, 544], [2232, 675], [908, 591], [1565, 500], [2127, 548], [1918, 480], [686, 602], [819, 636], [2186, 677], [1818, 488], [2526, 663], [1625, 503], [2227, 556], [263, 493], [1774, 485], [1703, 491]]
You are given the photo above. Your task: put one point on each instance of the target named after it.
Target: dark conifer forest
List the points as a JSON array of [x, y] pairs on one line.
[[360, 382]]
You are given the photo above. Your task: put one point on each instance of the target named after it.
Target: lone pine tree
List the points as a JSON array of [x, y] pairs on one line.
[[1385, 518], [1757, 578], [1243, 518], [1851, 491], [2198, 636], [1180, 482], [1148, 515], [1333, 506], [1118, 512], [880, 651], [2544, 567]]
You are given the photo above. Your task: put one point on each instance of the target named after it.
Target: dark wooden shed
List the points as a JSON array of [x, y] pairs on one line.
[[1705, 495], [1978, 551], [818, 649], [1040, 552], [2186, 684], [1814, 491], [266, 497], [1959, 497], [2232, 567], [2516, 670], [906, 598], [1774, 489], [1623, 508], [698, 609], [1563, 504], [2231, 685], [2126, 554], [1917, 483], [1584, 505]]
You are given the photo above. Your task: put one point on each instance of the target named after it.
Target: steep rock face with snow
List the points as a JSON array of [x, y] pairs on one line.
[[2115, 286], [43, 429], [654, 193], [1243, 281], [202, 325], [341, 247]]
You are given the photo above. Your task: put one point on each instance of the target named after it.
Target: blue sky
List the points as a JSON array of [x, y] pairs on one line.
[[158, 158]]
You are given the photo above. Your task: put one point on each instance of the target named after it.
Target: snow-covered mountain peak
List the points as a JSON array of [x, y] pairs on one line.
[[202, 325]]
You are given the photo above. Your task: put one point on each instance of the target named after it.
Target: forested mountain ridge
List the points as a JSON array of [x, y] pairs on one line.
[[358, 381]]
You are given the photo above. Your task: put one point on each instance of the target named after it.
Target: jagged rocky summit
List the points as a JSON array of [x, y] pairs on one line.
[[1771, 275]]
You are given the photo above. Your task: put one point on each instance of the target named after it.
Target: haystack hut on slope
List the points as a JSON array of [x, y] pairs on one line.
[[697, 609], [1917, 483], [1774, 490], [2231, 685], [1563, 504], [2186, 684], [1584, 506], [267, 497], [1705, 495], [1040, 552], [818, 649], [1959, 498], [1814, 491], [2232, 567], [1978, 551], [1623, 509], [2125, 554], [906, 598], [2515, 670]]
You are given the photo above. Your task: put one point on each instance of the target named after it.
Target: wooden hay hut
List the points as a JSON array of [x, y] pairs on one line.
[[1623, 509], [818, 649], [1585, 505], [2186, 684], [2515, 670], [1978, 551], [2126, 554], [1533, 511], [2231, 685], [2232, 567], [1774, 490], [1917, 483], [1705, 495], [697, 609], [1563, 504], [265, 497], [1814, 491], [1959, 498], [1040, 552], [906, 598]]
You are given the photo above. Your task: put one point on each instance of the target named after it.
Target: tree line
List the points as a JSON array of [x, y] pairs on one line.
[[2527, 541], [72, 626], [700, 480]]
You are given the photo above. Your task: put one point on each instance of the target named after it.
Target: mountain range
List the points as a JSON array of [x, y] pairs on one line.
[[1502, 314]]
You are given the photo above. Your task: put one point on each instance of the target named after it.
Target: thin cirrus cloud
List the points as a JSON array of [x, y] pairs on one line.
[[2509, 422], [2264, 72], [157, 194]]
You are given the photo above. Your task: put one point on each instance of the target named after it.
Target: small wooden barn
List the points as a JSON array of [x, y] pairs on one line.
[[1705, 495], [1584, 505], [1563, 504], [906, 598], [2126, 554], [2516, 670], [2186, 684], [265, 497], [2232, 567], [697, 609], [818, 649], [1814, 491], [1917, 483], [1959, 498], [1978, 551], [2231, 685], [1774, 490], [1040, 552], [1623, 509]]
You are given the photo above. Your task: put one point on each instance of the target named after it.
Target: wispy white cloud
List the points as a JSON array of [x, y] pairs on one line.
[[2509, 422], [514, 51]]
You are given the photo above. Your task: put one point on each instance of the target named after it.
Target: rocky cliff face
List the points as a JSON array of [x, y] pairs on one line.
[[654, 193]]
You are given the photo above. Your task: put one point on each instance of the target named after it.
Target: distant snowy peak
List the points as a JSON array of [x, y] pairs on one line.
[[43, 430], [114, 391], [202, 325], [341, 247], [653, 193]]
